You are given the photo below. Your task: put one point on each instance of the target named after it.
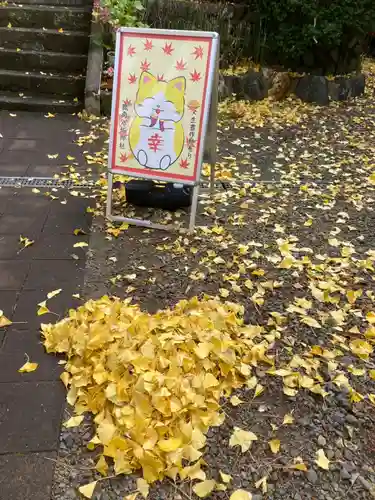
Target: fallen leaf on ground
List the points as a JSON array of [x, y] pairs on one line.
[[143, 487], [226, 478], [204, 488], [3, 320], [274, 445], [321, 460], [54, 293], [74, 421], [26, 242], [241, 495], [87, 490], [262, 483], [28, 367], [43, 309], [288, 419], [242, 438]]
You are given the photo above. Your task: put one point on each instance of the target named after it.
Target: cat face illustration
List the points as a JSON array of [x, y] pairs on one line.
[[160, 101]]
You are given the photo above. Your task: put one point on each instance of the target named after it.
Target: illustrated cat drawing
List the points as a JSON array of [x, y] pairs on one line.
[[156, 135]]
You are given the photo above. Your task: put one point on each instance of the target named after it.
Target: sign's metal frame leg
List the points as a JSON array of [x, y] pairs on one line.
[[193, 209], [212, 178], [108, 211]]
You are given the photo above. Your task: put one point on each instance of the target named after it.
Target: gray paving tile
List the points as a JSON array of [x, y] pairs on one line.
[[59, 247], [13, 274], [8, 301], [26, 477], [28, 224], [24, 202], [13, 170], [66, 223], [30, 416], [43, 170], [52, 274]]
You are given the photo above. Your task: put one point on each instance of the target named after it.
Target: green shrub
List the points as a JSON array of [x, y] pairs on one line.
[[123, 12], [325, 35]]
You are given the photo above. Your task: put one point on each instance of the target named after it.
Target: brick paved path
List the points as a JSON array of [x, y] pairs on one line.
[[31, 404]]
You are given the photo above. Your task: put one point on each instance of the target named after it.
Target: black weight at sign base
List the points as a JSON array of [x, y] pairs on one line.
[[146, 193]]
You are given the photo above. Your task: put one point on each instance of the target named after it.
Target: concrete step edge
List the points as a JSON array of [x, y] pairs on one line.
[[12, 100], [41, 74], [51, 8], [46, 31], [48, 53]]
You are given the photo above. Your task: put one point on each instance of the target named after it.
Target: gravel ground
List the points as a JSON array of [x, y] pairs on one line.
[[302, 178]]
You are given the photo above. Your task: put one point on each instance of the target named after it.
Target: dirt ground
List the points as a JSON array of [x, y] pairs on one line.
[[290, 237]]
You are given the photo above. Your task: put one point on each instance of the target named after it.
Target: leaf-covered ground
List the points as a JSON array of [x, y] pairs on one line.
[[291, 239]]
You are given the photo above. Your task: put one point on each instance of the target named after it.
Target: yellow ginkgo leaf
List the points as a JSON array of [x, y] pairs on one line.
[[274, 445], [224, 292], [169, 445], [74, 421], [3, 320], [93, 443], [54, 293], [370, 316], [26, 242], [78, 231], [288, 419], [361, 348], [321, 460], [43, 309], [298, 466], [242, 438], [288, 391], [203, 349], [132, 496], [52, 157], [259, 389], [143, 487], [80, 244], [226, 478], [241, 495], [235, 401], [249, 284], [221, 487], [204, 488], [210, 381], [88, 489], [28, 367], [308, 320], [262, 483]]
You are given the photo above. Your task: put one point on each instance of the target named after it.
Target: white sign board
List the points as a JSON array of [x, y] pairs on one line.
[[162, 94]]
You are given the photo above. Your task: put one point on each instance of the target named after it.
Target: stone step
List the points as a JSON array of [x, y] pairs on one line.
[[46, 16], [69, 3], [33, 102], [34, 60], [41, 82], [44, 39]]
